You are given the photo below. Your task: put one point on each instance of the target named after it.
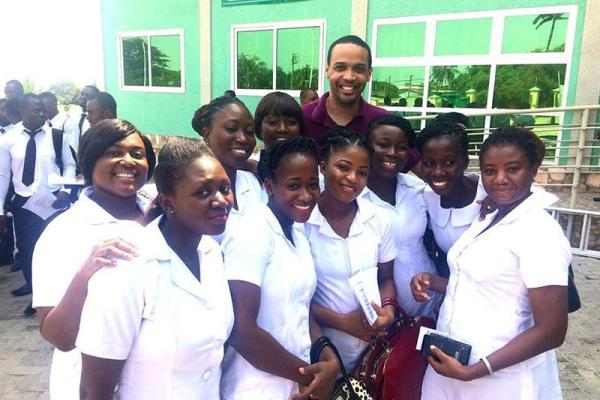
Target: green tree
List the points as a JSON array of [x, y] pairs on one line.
[[136, 66], [253, 73], [443, 75], [66, 92], [29, 86], [543, 19]]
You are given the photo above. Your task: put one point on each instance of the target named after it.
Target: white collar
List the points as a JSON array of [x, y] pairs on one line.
[[100, 215], [456, 216], [404, 183], [366, 210]]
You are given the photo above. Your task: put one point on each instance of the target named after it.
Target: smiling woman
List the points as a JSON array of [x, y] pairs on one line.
[[100, 229]]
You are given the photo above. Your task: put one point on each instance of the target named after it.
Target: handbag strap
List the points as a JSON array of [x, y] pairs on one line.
[[315, 354]]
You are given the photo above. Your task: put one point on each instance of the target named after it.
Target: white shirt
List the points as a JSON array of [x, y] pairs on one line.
[[448, 224], [169, 326], [408, 222], [12, 159], [72, 132], [487, 302], [59, 120], [261, 255], [336, 259], [55, 263]]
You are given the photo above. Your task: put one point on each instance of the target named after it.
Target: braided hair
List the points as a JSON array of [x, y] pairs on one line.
[[204, 116], [338, 138], [444, 128], [271, 157]]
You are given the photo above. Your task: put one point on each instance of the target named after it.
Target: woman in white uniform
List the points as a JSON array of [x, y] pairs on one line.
[[272, 280], [160, 333], [507, 292], [116, 160], [228, 129], [452, 198], [349, 235], [401, 196]]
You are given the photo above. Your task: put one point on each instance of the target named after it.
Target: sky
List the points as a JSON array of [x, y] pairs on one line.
[[48, 41]]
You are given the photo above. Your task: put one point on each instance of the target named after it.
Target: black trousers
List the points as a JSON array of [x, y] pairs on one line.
[[7, 241]]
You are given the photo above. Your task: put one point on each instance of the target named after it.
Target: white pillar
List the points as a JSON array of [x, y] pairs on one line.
[[205, 54], [358, 19]]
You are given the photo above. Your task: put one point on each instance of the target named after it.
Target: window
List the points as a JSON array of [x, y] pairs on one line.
[[283, 56], [152, 61], [511, 59]]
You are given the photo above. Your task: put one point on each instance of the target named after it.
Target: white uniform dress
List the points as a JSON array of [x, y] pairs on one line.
[[261, 255], [169, 326], [60, 252], [487, 304], [369, 243], [408, 221], [448, 224]]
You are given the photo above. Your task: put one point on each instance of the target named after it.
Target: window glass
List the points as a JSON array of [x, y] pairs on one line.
[[135, 61], [255, 60], [166, 65], [298, 58], [397, 86], [463, 37], [541, 33], [462, 86], [529, 86], [402, 40]]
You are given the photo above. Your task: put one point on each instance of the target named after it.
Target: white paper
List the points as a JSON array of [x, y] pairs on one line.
[[55, 179], [366, 290], [425, 331], [41, 204]]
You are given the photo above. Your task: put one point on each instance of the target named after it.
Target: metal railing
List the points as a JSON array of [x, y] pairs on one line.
[[574, 149], [578, 225]]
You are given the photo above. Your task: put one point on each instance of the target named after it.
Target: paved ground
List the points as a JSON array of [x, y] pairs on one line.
[[25, 356]]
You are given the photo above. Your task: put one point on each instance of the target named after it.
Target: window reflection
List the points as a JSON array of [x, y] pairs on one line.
[[541, 33], [401, 40], [298, 58], [255, 60], [135, 61], [151, 61], [463, 86], [397, 86]]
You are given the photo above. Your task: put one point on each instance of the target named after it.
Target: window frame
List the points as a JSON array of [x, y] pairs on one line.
[[494, 58], [149, 34], [274, 27]]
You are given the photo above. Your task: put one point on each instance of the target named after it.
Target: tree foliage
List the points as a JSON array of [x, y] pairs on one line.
[[137, 69], [66, 92]]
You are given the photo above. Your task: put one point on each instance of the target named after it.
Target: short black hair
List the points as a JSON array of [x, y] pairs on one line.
[[92, 87], [454, 116], [393, 120], [279, 104], [106, 102], [444, 128], [523, 139], [272, 156], [204, 116], [338, 137], [354, 40], [49, 95], [229, 92], [16, 83], [306, 91], [100, 137], [174, 158], [26, 98]]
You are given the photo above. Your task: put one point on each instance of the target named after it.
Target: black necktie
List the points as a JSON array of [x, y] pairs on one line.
[[29, 166], [81, 121]]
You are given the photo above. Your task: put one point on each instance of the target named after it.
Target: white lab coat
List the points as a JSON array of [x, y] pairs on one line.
[[487, 302], [260, 254], [59, 253], [169, 326], [408, 222], [370, 242]]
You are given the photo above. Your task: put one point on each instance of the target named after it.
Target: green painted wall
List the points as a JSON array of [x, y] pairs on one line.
[[154, 113], [336, 12]]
